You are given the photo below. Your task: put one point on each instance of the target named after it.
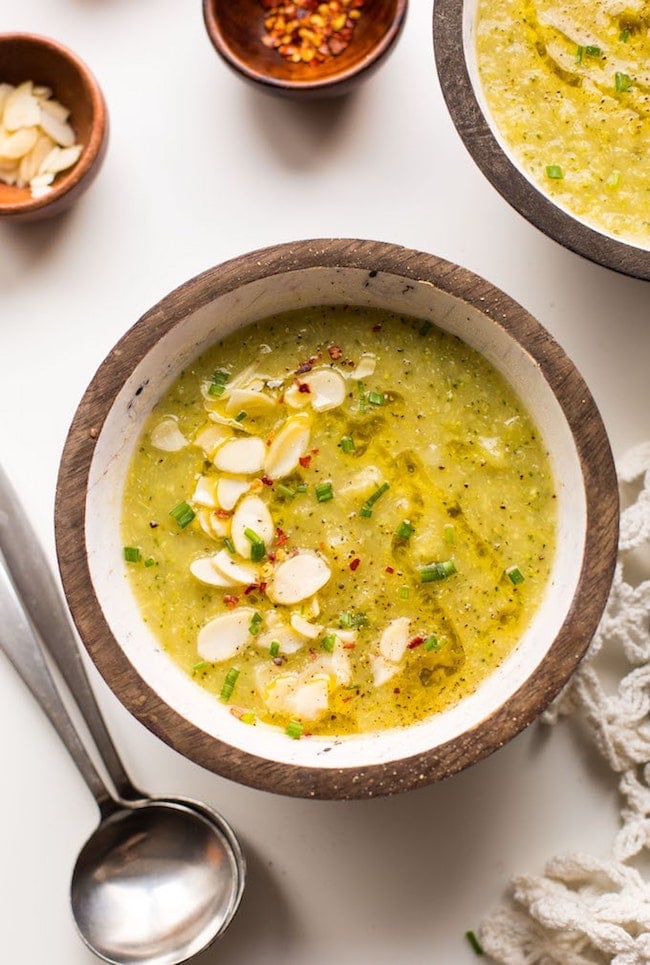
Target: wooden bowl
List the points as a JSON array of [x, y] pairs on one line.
[[137, 373], [25, 56], [454, 45], [236, 31]]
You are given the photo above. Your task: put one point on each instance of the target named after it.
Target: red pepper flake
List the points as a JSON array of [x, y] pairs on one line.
[[230, 601], [335, 352], [304, 461], [415, 642], [280, 537], [349, 646], [267, 481], [355, 563], [263, 587], [390, 569], [222, 513], [303, 387], [309, 31], [315, 452], [271, 557], [251, 588], [303, 368], [312, 653], [396, 690]]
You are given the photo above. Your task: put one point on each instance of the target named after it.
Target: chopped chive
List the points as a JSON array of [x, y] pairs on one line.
[[349, 621], [229, 684], [515, 575], [132, 554], [201, 665], [241, 416], [183, 514], [579, 52], [218, 385], [431, 643], [248, 717], [274, 649], [347, 444], [474, 942], [624, 36], [255, 625], [361, 393], [449, 533], [150, 561], [258, 547], [593, 51], [622, 81], [614, 179], [376, 398], [230, 546], [329, 642], [216, 388], [301, 488], [285, 491], [404, 592], [433, 572], [554, 172], [405, 530], [425, 328], [366, 509], [324, 492], [294, 729]]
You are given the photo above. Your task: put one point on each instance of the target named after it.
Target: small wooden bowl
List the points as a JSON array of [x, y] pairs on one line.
[[236, 31], [107, 427], [25, 56]]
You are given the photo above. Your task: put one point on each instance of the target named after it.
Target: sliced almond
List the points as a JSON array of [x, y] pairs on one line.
[[251, 514], [21, 108], [251, 401], [31, 162], [289, 444], [326, 388], [394, 639], [365, 367], [205, 571], [5, 91], [205, 492], [212, 524], [310, 631], [235, 570], [60, 159], [52, 107], [15, 145], [297, 578], [60, 131], [298, 695], [295, 397], [210, 437], [245, 456], [167, 436], [224, 636], [230, 489], [287, 639], [382, 669]]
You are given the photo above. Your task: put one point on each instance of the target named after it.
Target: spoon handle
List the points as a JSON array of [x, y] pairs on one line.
[[20, 644], [36, 587]]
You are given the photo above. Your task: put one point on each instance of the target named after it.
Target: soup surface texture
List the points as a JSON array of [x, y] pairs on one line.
[[568, 86], [339, 520]]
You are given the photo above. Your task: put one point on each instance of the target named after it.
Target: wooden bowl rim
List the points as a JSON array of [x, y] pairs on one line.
[[602, 516], [476, 133], [354, 70], [93, 150]]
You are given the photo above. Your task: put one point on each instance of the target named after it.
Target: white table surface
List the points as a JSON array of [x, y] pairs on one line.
[[202, 168]]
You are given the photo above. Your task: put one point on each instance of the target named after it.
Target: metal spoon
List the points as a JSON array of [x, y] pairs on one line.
[[159, 879]]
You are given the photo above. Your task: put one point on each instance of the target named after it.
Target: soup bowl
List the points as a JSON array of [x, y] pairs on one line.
[[454, 35], [148, 359]]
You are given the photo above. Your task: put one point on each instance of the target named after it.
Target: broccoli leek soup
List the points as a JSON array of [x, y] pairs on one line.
[[339, 520], [568, 85]]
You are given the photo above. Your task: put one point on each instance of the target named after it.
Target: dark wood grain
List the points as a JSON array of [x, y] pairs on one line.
[[236, 31], [44, 61], [517, 712]]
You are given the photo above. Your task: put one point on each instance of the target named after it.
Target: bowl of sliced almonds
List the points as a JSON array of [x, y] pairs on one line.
[[53, 127], [336, 518]]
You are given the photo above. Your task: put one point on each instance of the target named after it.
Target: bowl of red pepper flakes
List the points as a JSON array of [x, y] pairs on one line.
[[304, 48]]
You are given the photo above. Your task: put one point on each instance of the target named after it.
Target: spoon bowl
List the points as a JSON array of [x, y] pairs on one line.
[[152, 871]]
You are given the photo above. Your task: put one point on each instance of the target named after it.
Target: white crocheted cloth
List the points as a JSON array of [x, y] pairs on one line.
[[584, 910]]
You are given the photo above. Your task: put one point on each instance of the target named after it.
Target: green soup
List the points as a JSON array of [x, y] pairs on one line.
[[567, 83], [339, 520]]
